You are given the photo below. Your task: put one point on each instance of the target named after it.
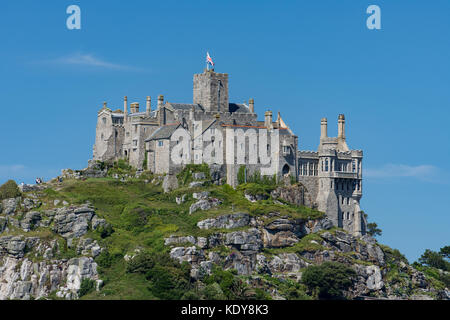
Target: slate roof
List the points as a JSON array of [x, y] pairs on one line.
[[164, 132], [238, 107], [186, 106]]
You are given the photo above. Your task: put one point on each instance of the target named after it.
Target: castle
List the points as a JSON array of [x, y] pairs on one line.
[[229, 135]]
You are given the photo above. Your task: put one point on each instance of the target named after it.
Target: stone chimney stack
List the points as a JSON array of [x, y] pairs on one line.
[[251, 105], [134, 107], [160, 101], [149, 106], [125, 108], [323, 128], [268, 119], [341, 126]]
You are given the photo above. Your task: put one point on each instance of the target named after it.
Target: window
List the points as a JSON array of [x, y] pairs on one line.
[[326, 164], [134, 143], [160, 143], [354, 166], [102, 136], [104, 120]]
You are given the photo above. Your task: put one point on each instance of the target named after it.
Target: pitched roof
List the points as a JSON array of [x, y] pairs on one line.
[[164, 132], [238, 107], [186, 106]]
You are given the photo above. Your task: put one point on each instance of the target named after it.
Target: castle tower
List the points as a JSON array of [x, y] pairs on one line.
[[211, 90]]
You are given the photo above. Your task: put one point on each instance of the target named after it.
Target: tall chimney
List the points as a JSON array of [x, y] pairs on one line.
[[125, 109], [341, 126], [160, 101], [251, 104], [149, 106], [268, 119], [323, 128]]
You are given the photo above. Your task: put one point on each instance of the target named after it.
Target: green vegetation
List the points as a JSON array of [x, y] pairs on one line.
[[9, 190], [87, 286], [328, 280], [435, 266], [186, 175]]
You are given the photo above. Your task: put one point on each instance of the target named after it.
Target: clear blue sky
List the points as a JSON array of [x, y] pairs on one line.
[[306, 59]]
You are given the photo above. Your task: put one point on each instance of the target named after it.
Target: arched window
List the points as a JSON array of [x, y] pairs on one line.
[[104, 120]]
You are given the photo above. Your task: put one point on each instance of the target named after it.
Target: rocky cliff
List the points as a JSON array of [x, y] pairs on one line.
[[102, 231]]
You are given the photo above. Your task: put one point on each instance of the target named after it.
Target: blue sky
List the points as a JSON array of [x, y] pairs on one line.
[[306, 59]]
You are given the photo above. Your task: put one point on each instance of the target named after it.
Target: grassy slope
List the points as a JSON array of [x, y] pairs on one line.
[[142, 215]]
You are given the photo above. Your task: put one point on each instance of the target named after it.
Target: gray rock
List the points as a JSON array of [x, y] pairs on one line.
[[199, 175], [228, 221], [72, 223], [189, 254], [179, 240], [170, 182], [9, 205], [204, 205], [3, 224], [200, 195], [195, 184], [374, 279]]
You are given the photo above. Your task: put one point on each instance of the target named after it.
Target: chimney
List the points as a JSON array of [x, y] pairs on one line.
[[323, 128], [268, 119], [160, 101], [134, 107], [149, 106], [341, 126], [125, 109], [251, 104]]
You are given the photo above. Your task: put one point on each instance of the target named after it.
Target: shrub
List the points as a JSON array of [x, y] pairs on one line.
[[9, 190], [87, 286], [328, 280]]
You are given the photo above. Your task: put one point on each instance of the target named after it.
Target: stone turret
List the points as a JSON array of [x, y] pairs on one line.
[[211, 91]]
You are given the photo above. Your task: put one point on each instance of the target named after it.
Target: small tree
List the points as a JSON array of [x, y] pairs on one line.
[[373, 230], [328, 280], [434, 259], [445, 252], [9, 190]]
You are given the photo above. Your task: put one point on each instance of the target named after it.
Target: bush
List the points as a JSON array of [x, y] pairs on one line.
[[87, 286], [328, 280], [9, 190]]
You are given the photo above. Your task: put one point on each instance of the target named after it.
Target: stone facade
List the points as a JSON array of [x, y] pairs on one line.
[[229, 135]]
